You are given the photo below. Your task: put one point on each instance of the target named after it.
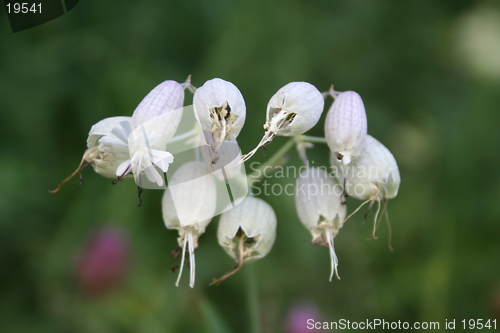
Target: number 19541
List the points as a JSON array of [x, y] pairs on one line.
[[23, 8], [479, 324]]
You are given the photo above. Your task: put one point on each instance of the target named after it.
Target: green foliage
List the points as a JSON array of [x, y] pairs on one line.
[[424, 101]]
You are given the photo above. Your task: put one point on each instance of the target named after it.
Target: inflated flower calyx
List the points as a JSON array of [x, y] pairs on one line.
[[318, 199], [188, 205], [373, 176], [154, 122], [104, 158], [220, 109], [346, 126], [293, 110], [246, 232]]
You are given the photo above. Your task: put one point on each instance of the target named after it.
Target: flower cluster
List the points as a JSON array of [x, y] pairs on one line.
[[212, 180]]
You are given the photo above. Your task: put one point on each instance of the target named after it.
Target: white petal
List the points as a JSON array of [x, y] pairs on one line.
[[104, 128], [153, 175], [162, 159], [112, 141], [122, 168]]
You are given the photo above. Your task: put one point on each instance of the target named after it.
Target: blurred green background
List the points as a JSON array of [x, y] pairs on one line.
[[429, 75]]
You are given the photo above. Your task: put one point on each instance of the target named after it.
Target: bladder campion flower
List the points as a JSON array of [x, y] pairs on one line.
[[293, 110], [220, 109], [154, 122], [319, 205], [373, 176], [104, 158], [246, 232], [188, 205]]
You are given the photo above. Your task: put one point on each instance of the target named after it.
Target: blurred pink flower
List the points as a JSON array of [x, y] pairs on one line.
[[298, 315], [103, 262]]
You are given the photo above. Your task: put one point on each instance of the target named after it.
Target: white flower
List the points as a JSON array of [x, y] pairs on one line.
[[293, 110], [247, 232], [154, 122], [220, 109], [104, 158], [346, 126], [373, 176], [319, 205], [188, 205]]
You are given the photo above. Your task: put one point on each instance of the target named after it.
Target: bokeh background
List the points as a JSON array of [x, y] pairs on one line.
[[88, 260]]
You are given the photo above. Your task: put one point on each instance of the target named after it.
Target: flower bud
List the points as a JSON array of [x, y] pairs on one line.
[[293, 110], [373, 176], [188, 205], [246, 232], [346, 126], [220, 109], [165, 97], [319, 205]]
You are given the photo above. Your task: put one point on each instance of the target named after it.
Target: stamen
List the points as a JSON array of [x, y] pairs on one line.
[[364, 203], [120, 178], [241, 256], [280, 120], [191, 257], [388, 225], [366, 213], [182, 261], [334, 262], [80, 167], [139, 192], [376, 216]]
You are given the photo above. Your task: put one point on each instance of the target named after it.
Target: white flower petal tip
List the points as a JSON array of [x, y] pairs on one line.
[[372, 177], [188, 205], [246, 232], [346, 126], [293, 110], [318, 199]]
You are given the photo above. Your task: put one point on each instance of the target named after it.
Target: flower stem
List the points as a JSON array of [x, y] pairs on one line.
[[252, 299], [272, 161], [183, 136], [276, 159], [312, 139]]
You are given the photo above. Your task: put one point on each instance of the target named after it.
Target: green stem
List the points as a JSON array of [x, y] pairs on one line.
[[312, 139], [252, 299], [184, 136], [272, 161]]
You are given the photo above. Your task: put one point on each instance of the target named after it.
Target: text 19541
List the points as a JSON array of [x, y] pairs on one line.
[[24, 8]]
